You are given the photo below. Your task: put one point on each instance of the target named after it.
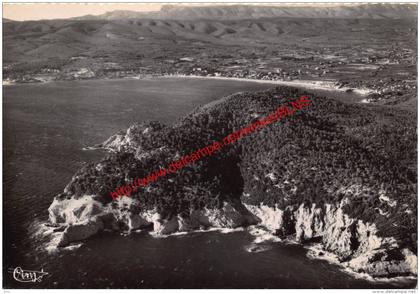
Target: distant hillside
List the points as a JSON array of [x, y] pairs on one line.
[[375, 11], [120, 31], [33, 40], [224, 12], [371, 47]]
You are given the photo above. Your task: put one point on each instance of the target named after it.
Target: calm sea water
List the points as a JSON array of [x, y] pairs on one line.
[[45, 128]]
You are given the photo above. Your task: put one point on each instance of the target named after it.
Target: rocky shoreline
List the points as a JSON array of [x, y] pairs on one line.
[[354, 243]]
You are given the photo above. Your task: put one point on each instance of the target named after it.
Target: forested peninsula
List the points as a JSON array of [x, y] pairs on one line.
[[338, 174]]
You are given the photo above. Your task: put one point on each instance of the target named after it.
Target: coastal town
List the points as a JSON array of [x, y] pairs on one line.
[[367, 73]]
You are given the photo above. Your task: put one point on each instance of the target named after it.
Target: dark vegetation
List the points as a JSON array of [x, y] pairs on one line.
[[330, 152]]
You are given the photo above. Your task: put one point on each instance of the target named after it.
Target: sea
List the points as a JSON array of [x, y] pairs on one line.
[[46, 126]]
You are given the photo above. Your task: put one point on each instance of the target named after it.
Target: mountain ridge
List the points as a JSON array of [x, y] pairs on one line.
[[374, 11]]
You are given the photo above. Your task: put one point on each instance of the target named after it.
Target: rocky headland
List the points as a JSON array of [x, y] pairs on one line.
[[339, 175]]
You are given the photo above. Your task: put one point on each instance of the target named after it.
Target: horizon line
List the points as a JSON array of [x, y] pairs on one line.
[[61, 11]]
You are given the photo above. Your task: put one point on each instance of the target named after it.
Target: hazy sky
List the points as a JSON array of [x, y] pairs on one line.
[[65, 10], [36, 11]]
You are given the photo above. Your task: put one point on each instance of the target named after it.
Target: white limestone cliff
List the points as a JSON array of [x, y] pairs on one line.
[[355, 243]]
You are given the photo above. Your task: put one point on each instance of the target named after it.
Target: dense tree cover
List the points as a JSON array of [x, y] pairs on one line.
[[330, 152]]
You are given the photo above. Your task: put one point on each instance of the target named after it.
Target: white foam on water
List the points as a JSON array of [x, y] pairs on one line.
[[262, 235], [42, 232], [220, 230], [228, 230], [255, 248], [73, 246], [39, 229], [314, 251]]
